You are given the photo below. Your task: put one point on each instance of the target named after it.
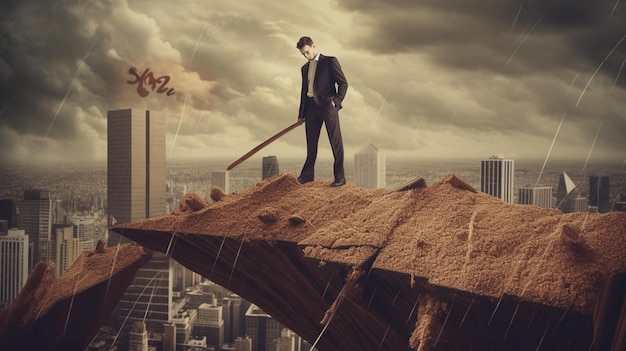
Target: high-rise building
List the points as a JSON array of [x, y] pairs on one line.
[[210, 324], [262, 329], [593, 191], [149, 297], [138, 337], [59, 215], [496, 177], [184, 321], [270, 167], [243, 344], [35, 217], [369, 168], [169, 337], [196, 297], [604, 199], [233, 307], [8, 212], [288, 341], [136, 190], [175, 192], [135, 166], [620, 204], [575, 204], [538, 196], [199, 343], [599, 198], [183, 279], [221, 179], [565, 187], [232, 313], [4, 226], [85, 228], [65, 247], [13, 264]]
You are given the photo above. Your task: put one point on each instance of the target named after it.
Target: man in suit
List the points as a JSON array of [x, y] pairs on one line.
[[323, 89]]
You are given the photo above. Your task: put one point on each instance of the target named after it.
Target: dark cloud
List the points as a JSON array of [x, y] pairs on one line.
[[44, 55], [513, 60], [485, 34], [437, 75]]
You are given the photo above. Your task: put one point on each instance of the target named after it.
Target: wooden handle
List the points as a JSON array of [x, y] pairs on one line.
[[264, 144]]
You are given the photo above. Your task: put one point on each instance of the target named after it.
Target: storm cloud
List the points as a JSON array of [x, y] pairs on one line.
[[443, 79]]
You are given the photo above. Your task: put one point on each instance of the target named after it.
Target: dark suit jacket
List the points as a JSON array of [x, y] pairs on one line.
[[329, 84]]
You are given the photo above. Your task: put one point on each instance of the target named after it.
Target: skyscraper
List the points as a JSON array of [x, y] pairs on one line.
[[565, 187], [135, 166], [243, 344], [538, 196], [262, 329], [35, 217], [620, 204], [575, 204], [496, 177], [599, 198], [65, 247], [136, 190], [149, 297], [604, 198], [4, 226], [210, 324], [221, 179], [270, 167], [8, 212], [593, 191], [169, 337], [13, 264], [369, 168], [85, 228], [288, 341], [138, 337], [232, 308], [184, 320]]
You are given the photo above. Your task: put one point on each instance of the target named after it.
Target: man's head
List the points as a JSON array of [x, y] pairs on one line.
[[307, 48]]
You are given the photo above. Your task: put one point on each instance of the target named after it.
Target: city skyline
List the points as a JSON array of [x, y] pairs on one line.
[[441, 79], [80, 189], [254, 172], [65, 177]]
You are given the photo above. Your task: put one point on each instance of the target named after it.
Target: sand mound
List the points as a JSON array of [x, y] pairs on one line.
[[443, 236], [65, 313]]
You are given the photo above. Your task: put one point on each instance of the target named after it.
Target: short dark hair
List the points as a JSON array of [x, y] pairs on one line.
[[303, 42]]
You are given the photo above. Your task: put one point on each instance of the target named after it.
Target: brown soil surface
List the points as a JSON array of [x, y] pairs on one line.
[[447, 233], [42, 291]]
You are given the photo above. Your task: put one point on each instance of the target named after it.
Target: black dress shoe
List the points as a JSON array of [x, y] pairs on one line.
[[338, 182], [304, 180]]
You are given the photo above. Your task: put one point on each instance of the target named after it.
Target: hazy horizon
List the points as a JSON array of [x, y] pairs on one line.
[[398, 170]]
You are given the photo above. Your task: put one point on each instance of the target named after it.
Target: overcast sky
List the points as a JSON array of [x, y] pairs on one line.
[[428, 78]]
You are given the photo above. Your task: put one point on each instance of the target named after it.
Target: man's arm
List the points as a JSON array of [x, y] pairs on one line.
[[302, 93], [340, 80]]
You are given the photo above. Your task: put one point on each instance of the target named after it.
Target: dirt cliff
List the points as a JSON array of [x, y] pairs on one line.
[[432, 267], [65, 314]]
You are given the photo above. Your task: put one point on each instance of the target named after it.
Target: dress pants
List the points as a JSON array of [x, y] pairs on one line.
[[315, 116]]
